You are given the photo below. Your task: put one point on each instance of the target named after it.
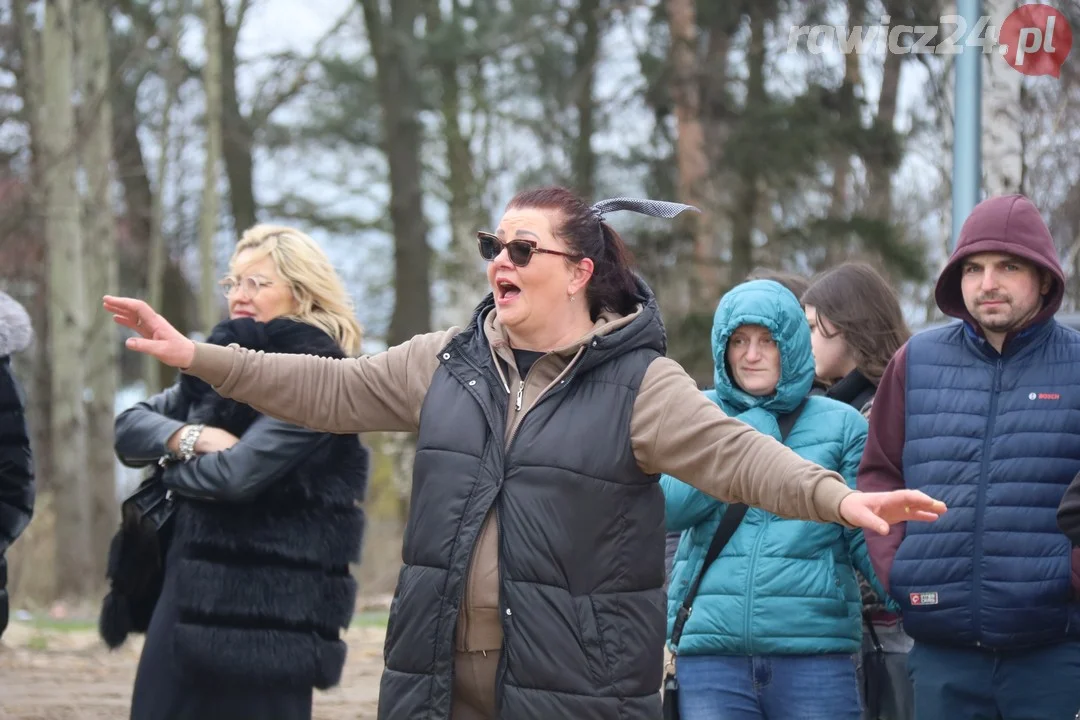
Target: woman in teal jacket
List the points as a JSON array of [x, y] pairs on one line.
[[777, 622]]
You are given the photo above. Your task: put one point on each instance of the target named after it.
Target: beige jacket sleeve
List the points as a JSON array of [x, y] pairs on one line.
[[676, 430], [381, 392]]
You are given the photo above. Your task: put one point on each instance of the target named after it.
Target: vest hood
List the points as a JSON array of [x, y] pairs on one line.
[[770, 304], [1004, 224]]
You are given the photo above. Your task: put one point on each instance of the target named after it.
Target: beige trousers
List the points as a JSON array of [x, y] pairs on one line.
[[474, 685]]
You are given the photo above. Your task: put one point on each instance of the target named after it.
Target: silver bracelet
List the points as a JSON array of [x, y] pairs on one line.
[[188, 438]]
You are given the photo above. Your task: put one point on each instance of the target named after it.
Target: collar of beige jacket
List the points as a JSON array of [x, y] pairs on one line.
[[499, 340]]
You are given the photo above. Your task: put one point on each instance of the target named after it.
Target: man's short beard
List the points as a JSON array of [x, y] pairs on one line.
[[1000, 325], [1010, 324]]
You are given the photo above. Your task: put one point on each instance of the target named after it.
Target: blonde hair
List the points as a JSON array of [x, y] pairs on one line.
[[320, 295]]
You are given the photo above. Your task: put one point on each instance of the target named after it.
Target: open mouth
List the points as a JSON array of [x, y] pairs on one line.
[[506, 290]]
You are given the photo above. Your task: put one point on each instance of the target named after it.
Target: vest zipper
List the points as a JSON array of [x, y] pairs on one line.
[[472, 551], [504, 610], [980, 507], [504, 614], [544, 394]]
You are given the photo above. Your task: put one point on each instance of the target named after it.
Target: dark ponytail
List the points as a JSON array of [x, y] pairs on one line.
[[613, 285]]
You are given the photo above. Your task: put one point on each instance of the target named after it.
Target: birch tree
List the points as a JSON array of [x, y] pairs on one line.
[[28, 82], [95, 139], [1002, 137], [67, 301]]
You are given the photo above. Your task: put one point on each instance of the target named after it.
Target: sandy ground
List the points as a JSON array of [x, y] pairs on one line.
[[65, 674]]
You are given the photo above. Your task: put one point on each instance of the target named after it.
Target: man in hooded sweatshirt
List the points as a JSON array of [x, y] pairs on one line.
[[985, 414]]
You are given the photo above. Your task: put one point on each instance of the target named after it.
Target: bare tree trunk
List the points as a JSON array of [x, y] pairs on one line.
[[690, 150], [178, 302], [29, 83], [238, 152], [585, 61], [836, 247], [878, 173], [748, 194], [156, 250], [1002, 112], [394, 46], [209, 304], [101, 278], [67, 302], [464, 188]]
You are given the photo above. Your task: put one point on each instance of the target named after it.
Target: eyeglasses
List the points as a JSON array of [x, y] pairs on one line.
[[249, 286], [520, 252]]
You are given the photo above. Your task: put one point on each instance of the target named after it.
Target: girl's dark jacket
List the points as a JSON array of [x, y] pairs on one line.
[[264, 531], [16, 466]]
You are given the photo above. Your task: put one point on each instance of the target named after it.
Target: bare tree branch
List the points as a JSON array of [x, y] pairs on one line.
[[264, 104]]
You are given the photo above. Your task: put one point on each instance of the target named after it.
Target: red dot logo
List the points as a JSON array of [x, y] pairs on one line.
[[1035, 39]]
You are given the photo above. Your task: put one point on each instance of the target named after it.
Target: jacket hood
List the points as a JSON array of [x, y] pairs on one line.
[[1004, 224], [16, 332], [770, 304]]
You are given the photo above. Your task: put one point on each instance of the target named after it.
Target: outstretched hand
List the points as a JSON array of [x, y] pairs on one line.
[[158, 337], [878, 510]]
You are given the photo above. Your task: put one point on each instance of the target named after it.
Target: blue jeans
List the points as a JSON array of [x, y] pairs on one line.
[[1035, 684], [768, 687]]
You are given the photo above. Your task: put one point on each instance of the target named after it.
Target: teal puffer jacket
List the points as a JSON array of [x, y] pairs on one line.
[[780, 586]]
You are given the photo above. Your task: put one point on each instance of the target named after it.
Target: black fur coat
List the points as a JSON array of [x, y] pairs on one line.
[[263, 587]]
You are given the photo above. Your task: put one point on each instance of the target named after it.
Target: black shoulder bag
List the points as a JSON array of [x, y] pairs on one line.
[[729, 523], [136, 566]]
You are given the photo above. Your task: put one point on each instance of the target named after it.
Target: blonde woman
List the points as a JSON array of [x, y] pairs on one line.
[[257, 583]]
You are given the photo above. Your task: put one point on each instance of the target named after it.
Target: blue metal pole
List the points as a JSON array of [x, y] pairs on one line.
[[967, 121]]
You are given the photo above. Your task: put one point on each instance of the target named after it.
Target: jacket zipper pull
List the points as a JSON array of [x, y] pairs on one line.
[[521, 391]]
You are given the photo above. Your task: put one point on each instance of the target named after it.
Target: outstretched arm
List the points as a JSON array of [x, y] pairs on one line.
[[377, 392], [382, 392], [676, 430]]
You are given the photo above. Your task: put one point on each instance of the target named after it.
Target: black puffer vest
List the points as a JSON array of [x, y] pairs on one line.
[[263, 588], [581, 537]]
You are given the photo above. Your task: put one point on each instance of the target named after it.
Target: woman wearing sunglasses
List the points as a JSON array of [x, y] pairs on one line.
[[532, 584]]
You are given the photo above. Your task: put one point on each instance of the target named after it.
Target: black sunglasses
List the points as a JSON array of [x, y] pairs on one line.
[[520, 252]]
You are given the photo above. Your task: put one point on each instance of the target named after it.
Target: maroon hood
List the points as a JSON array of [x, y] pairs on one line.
[[1003, 224]]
